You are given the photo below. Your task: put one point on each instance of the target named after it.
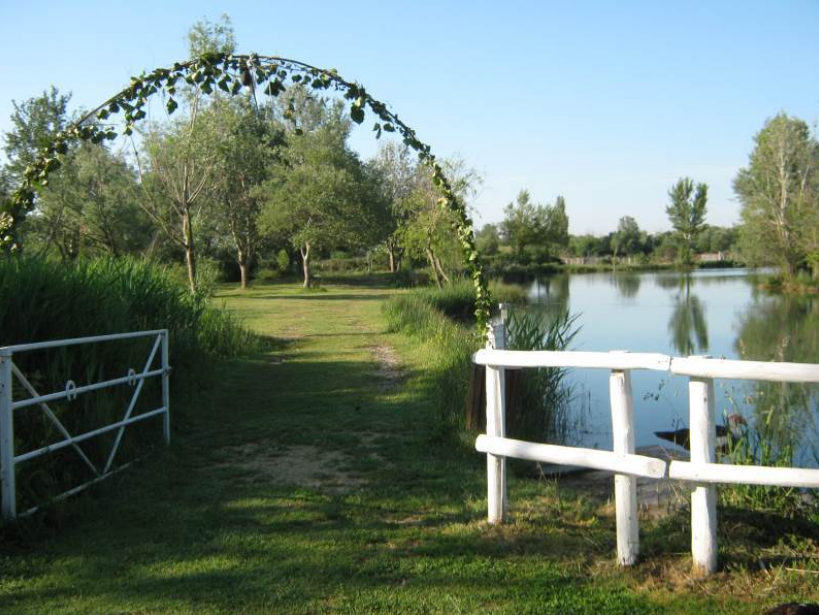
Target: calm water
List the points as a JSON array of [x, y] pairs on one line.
[[716, 312]]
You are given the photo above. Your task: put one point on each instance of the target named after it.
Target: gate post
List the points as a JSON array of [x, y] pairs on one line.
[[166, 389], [9, 495], [703, 497], [496, 426], [625, 487]]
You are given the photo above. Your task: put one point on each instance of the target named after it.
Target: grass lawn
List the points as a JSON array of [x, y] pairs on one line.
[[307, 480]]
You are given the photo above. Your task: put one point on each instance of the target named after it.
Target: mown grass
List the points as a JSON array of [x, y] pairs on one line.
[[209, 527]]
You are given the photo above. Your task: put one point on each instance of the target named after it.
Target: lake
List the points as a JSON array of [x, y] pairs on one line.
[[717, 312]]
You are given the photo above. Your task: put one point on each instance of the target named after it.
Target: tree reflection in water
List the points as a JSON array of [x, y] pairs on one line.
[[687, 326]]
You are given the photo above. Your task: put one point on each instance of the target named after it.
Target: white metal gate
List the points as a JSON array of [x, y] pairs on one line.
[[9, 371]]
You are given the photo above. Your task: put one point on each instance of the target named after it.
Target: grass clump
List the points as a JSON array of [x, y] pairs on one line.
[[43, 300], [542, 413], [457, 300], [448, 357]]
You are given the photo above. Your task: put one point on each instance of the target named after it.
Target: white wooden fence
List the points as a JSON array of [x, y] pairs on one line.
[[9, 371], [702, 469]]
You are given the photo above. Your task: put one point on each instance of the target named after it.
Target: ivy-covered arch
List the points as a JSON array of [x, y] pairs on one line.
[[233, 74]]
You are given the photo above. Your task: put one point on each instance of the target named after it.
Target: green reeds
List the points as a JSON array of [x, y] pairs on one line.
[[44, 300]]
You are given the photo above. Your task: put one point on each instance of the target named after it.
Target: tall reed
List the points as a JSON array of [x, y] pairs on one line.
[[42, 300]]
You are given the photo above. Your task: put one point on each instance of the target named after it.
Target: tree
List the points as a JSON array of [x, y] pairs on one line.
[[182, 155], [397, 175], [428, 233], [320, 197], [34, 124], [528, 225], [626, 239], [246, 145], [487, 239], [779, 192], [91, 205], [687, 214]]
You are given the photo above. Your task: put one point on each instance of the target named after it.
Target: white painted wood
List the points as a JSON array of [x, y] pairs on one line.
[[166, 389], [625, 486], [635, 465], [743, 475], [703, 497], [7, 487], [496, 426], [556, 358], [770, 371]]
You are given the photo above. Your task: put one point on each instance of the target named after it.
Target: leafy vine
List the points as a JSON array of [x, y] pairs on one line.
[[232, 74]]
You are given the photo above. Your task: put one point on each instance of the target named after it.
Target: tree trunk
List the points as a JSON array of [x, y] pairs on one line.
[[243, 273], [391, 252], [305, 258], [432, 268], [190, 255], [440, 268]]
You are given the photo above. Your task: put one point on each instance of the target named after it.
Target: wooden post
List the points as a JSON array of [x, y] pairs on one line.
[[625, 487], [7, 486], [703, 497], [496, 426], [166, 390]]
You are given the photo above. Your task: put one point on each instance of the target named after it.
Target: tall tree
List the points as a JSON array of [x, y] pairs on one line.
[[428, 234], [779, 192], [34, 123], [687, 214], [398, 177], [320, 197], [181, 155], [626, 239], [529, 225], [246, 145]]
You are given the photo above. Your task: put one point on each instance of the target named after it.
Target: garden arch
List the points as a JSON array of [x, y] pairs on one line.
[[233, 74]]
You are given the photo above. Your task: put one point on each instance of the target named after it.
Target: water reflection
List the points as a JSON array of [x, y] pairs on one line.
[[717, 312], [781, 328], [687, 325], [627, 284]]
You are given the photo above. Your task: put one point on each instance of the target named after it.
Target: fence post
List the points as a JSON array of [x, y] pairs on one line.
[[625, 487], [9, 495], [703, 497], [496, 426], [166, 390]]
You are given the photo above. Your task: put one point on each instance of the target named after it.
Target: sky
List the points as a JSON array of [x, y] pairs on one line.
[[605, 103]]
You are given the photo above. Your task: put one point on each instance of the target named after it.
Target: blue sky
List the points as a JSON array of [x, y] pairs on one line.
[[606, 103]]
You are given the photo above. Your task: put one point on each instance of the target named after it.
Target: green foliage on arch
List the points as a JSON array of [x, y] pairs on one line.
[[232, 74]]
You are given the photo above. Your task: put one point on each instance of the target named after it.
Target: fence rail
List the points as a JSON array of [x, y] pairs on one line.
[[8, 405], [702, 470]]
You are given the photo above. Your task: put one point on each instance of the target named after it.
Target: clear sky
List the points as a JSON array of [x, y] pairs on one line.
[[606, 103]]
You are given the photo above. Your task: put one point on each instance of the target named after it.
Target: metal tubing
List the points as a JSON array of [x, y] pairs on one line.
[[90, 434], [131, 405], [80, 340], [53, 417], [166, 388], [24, 403], [7, 461]]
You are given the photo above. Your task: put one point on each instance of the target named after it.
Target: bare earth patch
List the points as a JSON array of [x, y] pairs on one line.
[[304, 465], [389, 365]]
